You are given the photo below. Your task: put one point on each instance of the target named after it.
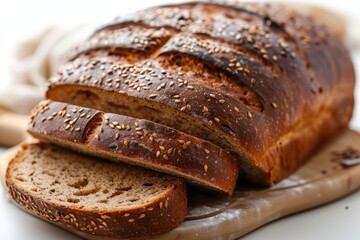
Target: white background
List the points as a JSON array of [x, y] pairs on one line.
[[22, 19]]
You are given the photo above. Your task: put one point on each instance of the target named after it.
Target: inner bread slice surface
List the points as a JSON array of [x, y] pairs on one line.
[[135, 141], [257, 79], [93, 198]]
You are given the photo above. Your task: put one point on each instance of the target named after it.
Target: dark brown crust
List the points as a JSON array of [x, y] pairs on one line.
[[135, 141], [298, 74], [161, 215]]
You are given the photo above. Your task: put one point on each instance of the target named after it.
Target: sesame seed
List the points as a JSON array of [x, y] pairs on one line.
[[205, 168], [190, 87], [216, 119], [126, 142], [162, 148], [150, 209], [166, 204], [126, 214], [97, 137], [161, 205], [212, 96], [236, 109], [250, 39], [131, 220], [77, 129], [205, 109], [249, 114], [117, 135], [139, 133], [165, 157], [157, 153], [222, 101], [181, 141], [141, 216], [206, 151], [152, 96], [67, 127], [274, 105]]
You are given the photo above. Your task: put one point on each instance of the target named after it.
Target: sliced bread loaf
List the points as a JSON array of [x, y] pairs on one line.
[[93, 198], [257, 79], [135, 141]]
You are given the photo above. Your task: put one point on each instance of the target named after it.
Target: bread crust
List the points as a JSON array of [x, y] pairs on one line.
[[259, 77], [162, 214], [135, 141]]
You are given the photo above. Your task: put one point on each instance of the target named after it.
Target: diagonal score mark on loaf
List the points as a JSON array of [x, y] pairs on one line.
[[132, 39]]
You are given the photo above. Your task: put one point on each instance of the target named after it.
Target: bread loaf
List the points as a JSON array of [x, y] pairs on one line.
[[262, 81], [92, 198], [135, 141]]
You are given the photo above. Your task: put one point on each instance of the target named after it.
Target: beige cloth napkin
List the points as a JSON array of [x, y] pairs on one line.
[[35, 59]]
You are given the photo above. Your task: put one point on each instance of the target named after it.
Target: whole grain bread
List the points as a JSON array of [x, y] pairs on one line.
[[92, 198], [135, 141], [257, 79]]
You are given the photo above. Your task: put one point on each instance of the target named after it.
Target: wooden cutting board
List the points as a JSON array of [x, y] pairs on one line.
[[321, 180]]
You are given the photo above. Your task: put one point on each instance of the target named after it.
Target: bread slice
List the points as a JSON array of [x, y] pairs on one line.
[[135, 141], [94, 198]]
